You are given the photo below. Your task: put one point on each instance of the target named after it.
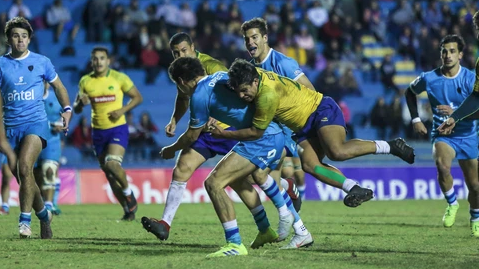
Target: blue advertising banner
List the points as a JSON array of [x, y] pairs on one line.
[[389, 183]]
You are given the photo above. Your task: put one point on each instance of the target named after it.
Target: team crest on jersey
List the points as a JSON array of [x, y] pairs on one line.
[[297, 72], [104, 99], [111, 88]]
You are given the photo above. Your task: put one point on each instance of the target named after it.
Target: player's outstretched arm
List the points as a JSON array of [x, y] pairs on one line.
[[306, 82], [411, 101], [247, 134], [184, 141], [64, 100], [468, 107], [5, 147]]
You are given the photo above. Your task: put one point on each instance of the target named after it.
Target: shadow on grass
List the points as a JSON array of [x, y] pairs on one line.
[[129, 242]]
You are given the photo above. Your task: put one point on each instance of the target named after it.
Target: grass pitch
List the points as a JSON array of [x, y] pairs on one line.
[[386, 234]]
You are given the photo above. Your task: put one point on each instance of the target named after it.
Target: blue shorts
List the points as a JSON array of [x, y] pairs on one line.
[[327, 113], [209, 146], [53, 151], [116, 135], [465, 148], [289, 144], [264, 152], [16, 134]]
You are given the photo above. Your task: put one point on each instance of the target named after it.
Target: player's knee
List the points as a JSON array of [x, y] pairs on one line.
[[25, 170], [308, 167], [112, 162], [474, 188], [48, 173], [182, 171], [443, 167], [209, 185]]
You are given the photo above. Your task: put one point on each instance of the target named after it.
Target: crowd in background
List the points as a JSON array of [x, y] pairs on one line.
[[322, 35]]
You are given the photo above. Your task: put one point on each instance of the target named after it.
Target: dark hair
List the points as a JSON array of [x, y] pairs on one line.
[[101, 49], [180, 37], [258, 23], [475, 19], [186, 68], [454, 39], [241, 72], [18, 22]]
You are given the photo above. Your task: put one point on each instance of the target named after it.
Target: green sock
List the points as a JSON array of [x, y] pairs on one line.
[[329, 174]]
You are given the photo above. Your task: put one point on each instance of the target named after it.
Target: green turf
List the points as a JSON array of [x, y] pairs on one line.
[[393, 234]]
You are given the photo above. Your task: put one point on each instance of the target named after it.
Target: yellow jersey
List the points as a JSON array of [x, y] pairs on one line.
[[284, 100], [106, 95], [211, 66], [476, 83]]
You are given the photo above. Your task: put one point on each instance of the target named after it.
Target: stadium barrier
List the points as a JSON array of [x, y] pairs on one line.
[[151, 185]]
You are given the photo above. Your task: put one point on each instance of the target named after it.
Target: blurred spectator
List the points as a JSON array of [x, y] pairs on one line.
[[395, 117], [136, 15], [332, 30], [304, 39], [94, 19], [348, 83], [379, 118], [81, 138], [170, 14], [60, 18], [271, 14], [433, 15], [187, 17], [134, 137], [3, 38], [347, 119], [403, 14], [235, 14], [408, 44], [222, 13], [388, 71], [19, 9], [150, 60], [317, 14], [205, 15], [328, 82], [333, 51], [147, 129]]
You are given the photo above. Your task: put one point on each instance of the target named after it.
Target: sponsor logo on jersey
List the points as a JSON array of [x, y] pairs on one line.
[[21, 96], [103, 99]]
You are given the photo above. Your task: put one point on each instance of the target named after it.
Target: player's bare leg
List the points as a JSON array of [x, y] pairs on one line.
[[29, 194], [299, 176], [312, 161], [116, 175], [188, 161], [443, 154], [5, 189]]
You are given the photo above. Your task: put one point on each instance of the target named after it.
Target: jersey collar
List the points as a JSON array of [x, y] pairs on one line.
[[267, 56], [21, 58], [455, 76]]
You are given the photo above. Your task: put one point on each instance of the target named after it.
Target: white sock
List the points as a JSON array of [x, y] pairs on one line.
[[299, 228], [173, 200], [284, 183], [284, 211], [382, 147], [449, 193], [127, 191], [349, 184], [269, 181], [230, 224]]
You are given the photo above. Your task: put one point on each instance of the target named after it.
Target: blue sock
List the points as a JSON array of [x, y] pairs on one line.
[[232, 232], [260, 218], [450, 196], [25, 218], [49, 205], [290, 206], [474, 214], [272, 191], [56, 193], [6, 207], [301, 190], [42, 215]]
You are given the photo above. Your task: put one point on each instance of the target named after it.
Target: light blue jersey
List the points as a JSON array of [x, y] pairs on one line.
[[214, 98], [287, 67], [21, 83], [280, 64], [443, 90]]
